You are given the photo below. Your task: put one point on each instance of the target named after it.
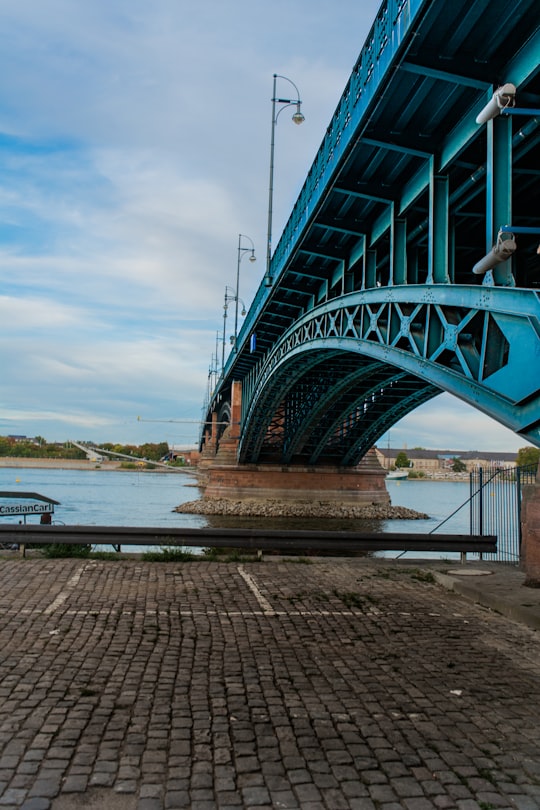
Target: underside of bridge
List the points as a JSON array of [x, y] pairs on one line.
[[371, 306], [329, 406]]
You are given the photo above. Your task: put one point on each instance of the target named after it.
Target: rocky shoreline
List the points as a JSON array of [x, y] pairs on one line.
[[300, 509]]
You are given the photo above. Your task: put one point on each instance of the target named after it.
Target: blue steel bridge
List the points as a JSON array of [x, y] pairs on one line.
[[371, 306]]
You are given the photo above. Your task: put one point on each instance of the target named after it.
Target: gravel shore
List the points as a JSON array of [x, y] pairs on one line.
[[306, 509]]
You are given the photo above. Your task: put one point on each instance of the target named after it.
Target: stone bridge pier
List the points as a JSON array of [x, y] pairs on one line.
[[226, 478]]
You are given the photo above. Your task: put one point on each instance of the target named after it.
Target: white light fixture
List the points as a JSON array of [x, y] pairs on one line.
[[501, 251], [503, 97], [298, 118]]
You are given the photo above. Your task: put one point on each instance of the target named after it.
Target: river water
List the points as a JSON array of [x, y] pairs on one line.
[[122, 498]]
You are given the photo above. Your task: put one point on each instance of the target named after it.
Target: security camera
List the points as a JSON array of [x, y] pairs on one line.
[[503, 97], [500, 252]]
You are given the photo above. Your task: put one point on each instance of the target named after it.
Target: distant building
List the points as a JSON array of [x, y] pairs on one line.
[[189, 455], [441, 461]]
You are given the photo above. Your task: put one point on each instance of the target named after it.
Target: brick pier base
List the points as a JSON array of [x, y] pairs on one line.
[[364, 484], [530, 532]]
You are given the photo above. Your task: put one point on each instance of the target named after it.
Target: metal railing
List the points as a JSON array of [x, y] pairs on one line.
[[495, 507]]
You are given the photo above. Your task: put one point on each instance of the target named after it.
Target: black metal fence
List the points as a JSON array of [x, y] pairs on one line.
[[495, 507]]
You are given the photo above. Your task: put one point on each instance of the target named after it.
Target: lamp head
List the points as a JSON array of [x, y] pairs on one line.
[[503, 97], [253, 258], [298, 118], [501, 251]]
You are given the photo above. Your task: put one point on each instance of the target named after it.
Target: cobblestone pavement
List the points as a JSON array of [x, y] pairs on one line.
[[338, 684]]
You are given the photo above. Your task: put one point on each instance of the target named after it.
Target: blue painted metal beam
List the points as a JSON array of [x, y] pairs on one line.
[[406, 194], [464, 344]]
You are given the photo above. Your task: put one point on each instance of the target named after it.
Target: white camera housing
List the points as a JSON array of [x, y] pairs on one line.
[[504, 96], [500, 252]]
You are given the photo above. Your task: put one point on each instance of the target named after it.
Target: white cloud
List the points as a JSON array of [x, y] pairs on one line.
[[447, 423], [34, 313]]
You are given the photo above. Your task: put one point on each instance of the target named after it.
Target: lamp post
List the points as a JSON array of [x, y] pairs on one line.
[[228, 298], [298, 118], [252, 258]]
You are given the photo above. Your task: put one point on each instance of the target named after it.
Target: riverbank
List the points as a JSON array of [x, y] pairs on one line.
[[58, 463], [298, 509], [85, 464], [109, 464]]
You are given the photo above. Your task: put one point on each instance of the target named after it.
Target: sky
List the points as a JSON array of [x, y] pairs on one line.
[[134, 149]]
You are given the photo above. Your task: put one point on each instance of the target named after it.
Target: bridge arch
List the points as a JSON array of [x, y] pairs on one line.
[[389, 273], [223, 419], [346, 371]]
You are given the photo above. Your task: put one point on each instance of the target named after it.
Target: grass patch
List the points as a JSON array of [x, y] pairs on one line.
[[349, 598], [56, 550], [228, 555], [169, 555], [423, 576], [354, 600], [414, 573]]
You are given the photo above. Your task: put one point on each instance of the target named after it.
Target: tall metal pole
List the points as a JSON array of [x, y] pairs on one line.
[[237, 288], [268, 278], [298, 119], [225, 305], [241, 251]]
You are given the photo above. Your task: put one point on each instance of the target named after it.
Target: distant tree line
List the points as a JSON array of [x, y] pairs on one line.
[[527, 456], [149, 451], [38, 447]]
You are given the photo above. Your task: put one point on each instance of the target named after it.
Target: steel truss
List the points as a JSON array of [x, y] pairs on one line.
[[349, 369]]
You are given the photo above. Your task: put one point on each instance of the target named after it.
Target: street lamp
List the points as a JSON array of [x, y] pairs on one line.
[[252, 258], [228, 298], [298, 118]]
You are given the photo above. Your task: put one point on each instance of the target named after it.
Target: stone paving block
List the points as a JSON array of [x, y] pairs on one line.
[[13, 797], [150, 804], [75, 784], [102, 779], [255, 796], [36, 803], [177, 690], [524, 803], [45, 787]]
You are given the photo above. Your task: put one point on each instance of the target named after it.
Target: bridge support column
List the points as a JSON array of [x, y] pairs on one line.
[[364, 484], [228, 442], [530, 532], [210, 443], [499, 190]]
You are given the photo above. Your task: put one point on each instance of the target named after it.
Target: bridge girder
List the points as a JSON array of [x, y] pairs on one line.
[[375, 265], [348, 370]]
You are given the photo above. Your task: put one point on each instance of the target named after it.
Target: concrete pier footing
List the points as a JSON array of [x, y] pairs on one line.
[[358, 485]]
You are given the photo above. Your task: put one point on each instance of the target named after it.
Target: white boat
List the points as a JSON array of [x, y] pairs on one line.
[[397, 475]]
